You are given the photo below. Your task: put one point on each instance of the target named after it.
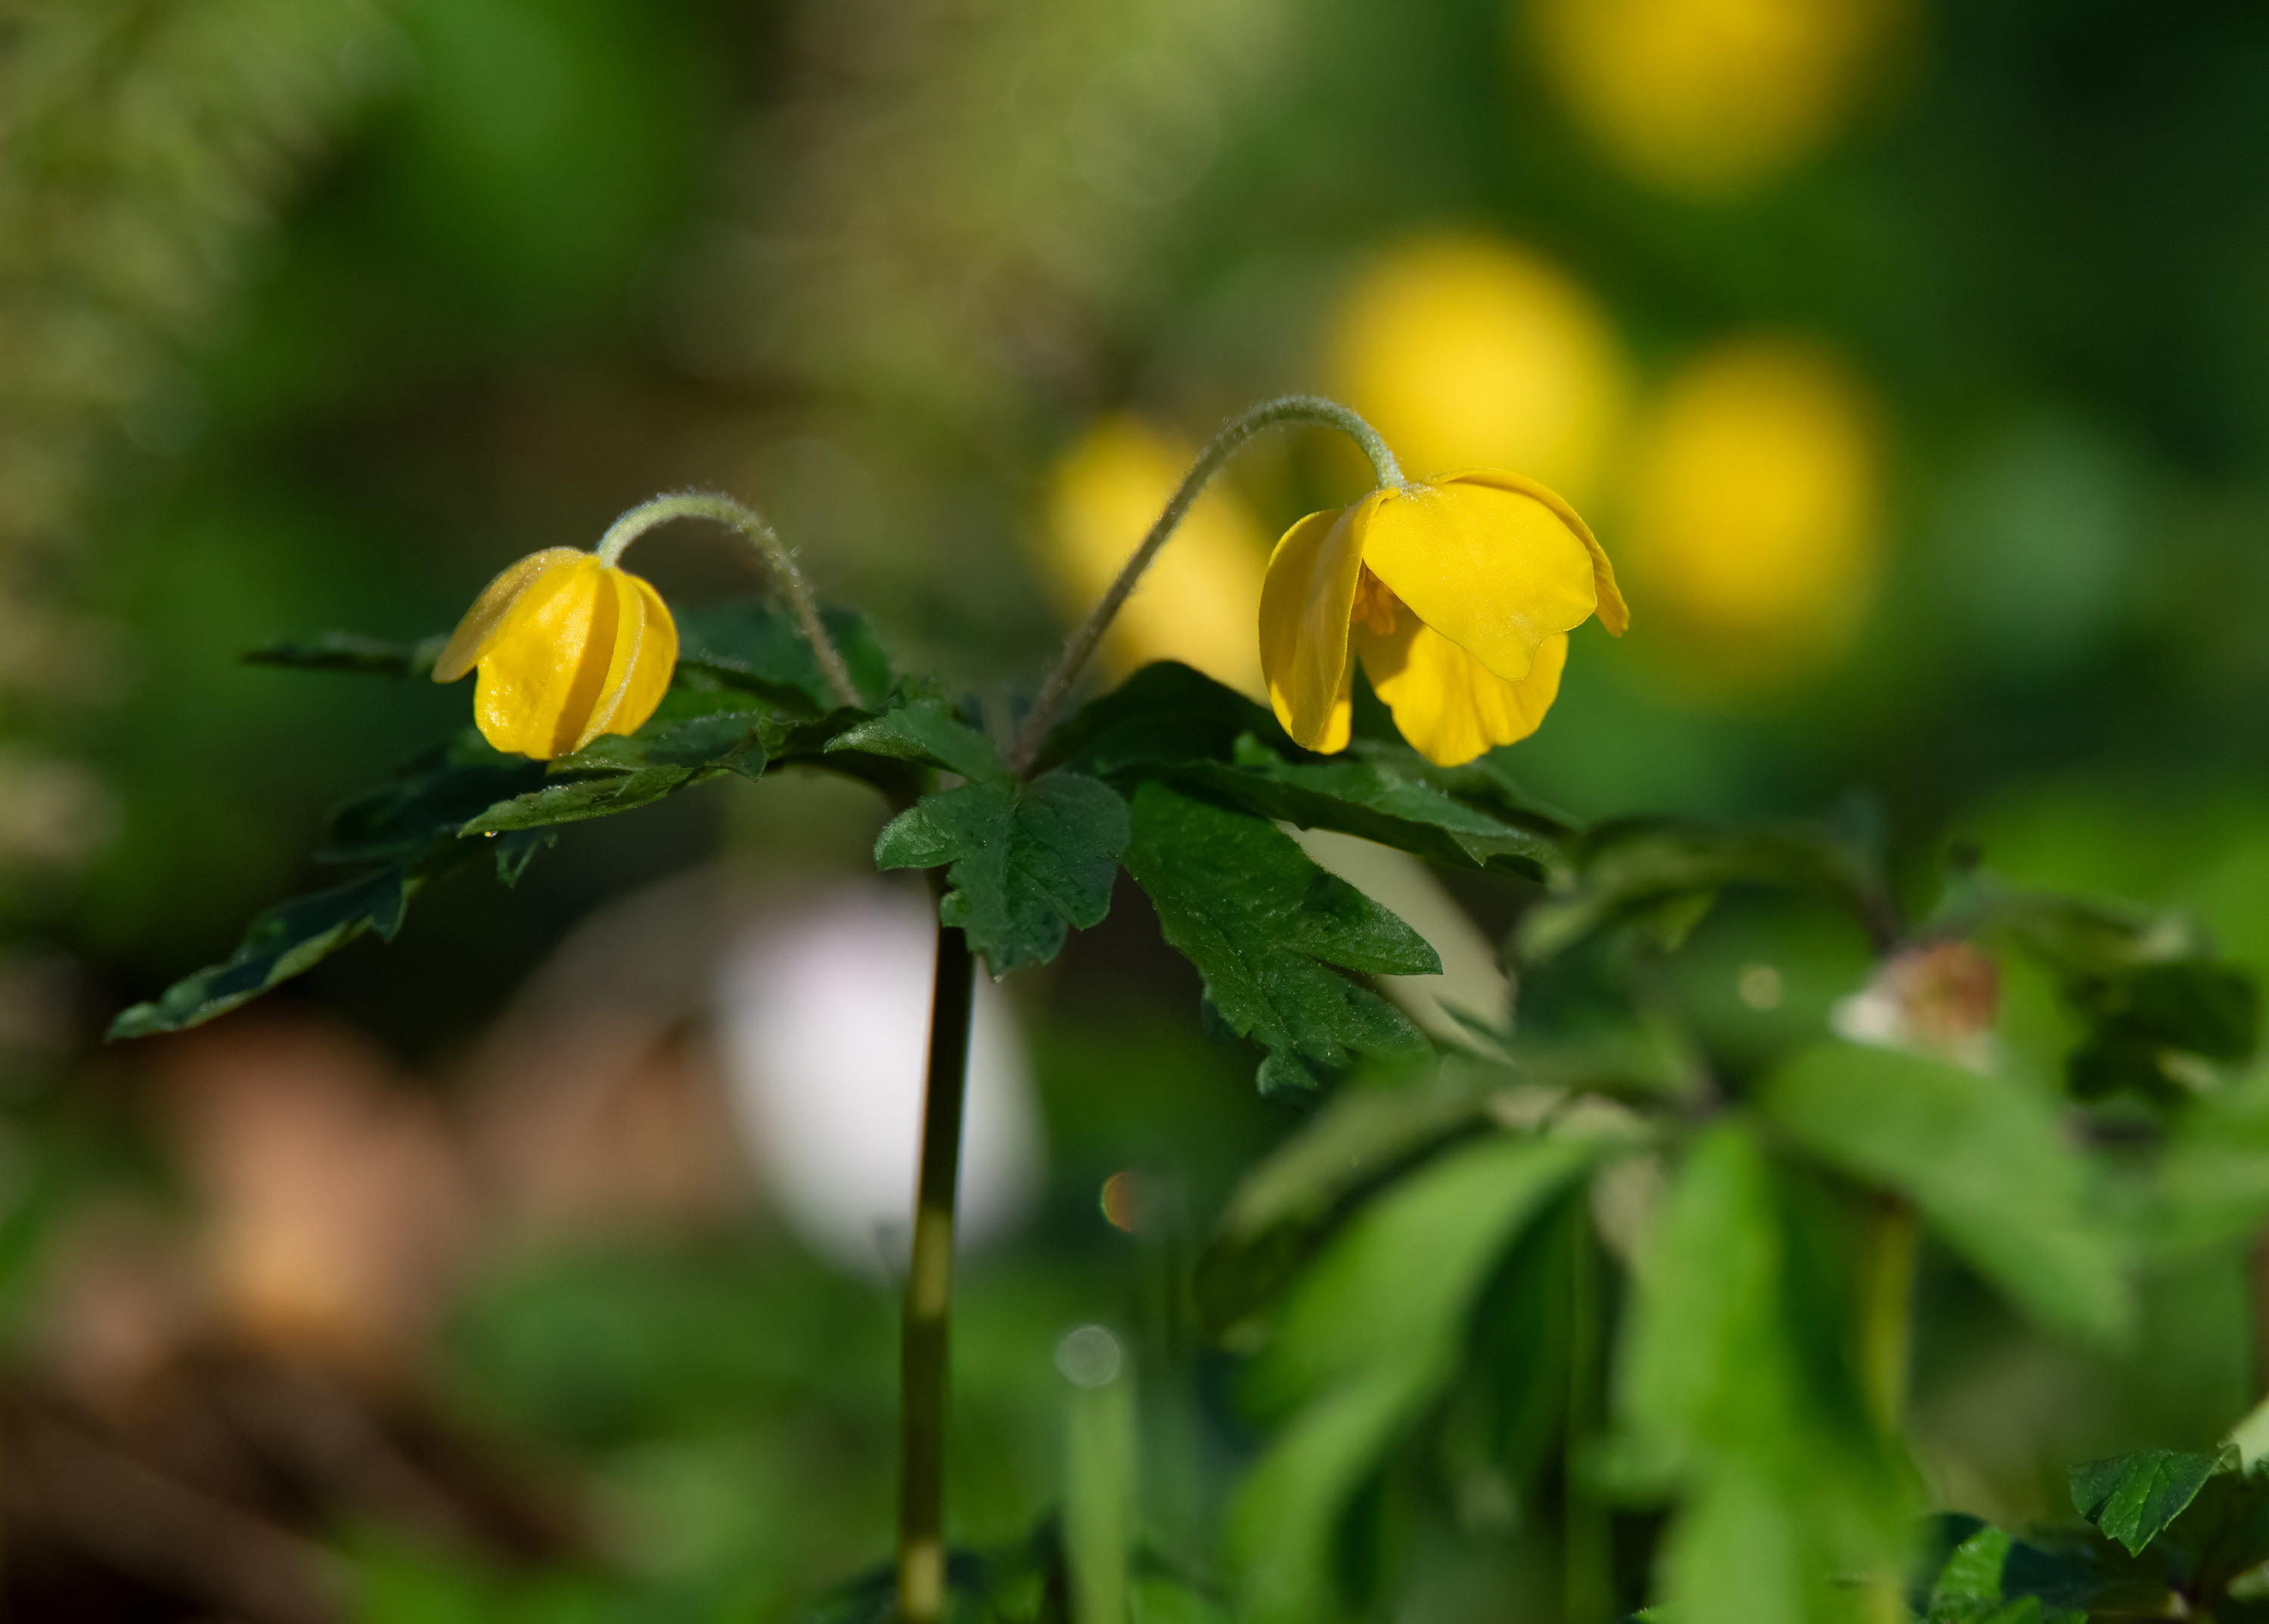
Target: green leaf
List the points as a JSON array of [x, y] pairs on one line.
[[1982, 1158], [413, 819], [1031, 862], [730, 741], [2133, 1497], [350, 652], [572, 800], [619, 772], [1370, 799], [2146, 1022], [1669, 870], [756, 644], [925, 730], [1362, 1135], [1731, 1387], [1369, 1338], [1165, 715], [1261, 922], [280, 943]]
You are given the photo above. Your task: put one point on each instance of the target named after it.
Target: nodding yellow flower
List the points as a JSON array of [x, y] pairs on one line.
[[568, 648], [1457, 593]]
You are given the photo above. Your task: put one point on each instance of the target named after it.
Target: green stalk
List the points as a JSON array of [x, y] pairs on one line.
[[922, 1388], [1270, 414], [1587, 1582], [1887, 1271]]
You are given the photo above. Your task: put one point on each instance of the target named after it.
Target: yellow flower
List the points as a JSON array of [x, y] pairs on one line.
[[568, 648], [1196, 601], [1458, 593]]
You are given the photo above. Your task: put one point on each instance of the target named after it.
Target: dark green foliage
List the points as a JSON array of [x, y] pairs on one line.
[[1666, 873], [1031, 862], [350, 652], [1169, 724], [2132, 1497], [1262, 923], [2170, 1534], [760, 647], [465, 801], [279, 944], [925, 730]]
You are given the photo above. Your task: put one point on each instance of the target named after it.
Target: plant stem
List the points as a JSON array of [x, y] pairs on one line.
[[1269, 414], [1887, 1310], [1587, 1583], [929, 1293], [738, 516]]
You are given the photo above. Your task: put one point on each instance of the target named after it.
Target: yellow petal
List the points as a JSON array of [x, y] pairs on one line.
[[639, 665], [545, 665], [1449, 705], [1614, 614], [1496, 570], [479, 628], [1305, 599]]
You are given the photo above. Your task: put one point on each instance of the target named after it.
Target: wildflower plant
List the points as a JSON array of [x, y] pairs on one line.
[[1617, 1260]]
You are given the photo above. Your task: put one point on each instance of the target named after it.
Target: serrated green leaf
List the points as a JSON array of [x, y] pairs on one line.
[[1981, 1159], [350, 652], [414, 818], [925, 730], [730, 741], [1374, 801], [1165, 715], [1261, 922], [2133, 1497], [1031, 862], [755, 643], [280, 943], [573, 800]]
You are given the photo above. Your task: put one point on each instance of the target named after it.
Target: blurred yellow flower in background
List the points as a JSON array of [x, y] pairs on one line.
[[1196, 602], [1457, 594], [568, 648], [1710, 97], [1752, 512], [1468, 351]]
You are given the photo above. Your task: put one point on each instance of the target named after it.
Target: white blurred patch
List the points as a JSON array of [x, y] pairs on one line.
[[823, 1019]]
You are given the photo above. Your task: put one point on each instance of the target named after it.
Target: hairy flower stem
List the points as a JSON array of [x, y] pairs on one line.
[[929, 1293], [738, 516], [1292, 409]]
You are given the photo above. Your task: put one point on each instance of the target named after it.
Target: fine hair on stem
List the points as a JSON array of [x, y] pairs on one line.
[[739, 516], [1288, 410]]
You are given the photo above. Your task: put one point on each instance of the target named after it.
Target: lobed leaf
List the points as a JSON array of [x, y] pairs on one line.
[[1262, 923], [2133, 1497], [280, 943], [1031, 862], [754, 643], [925, 730]]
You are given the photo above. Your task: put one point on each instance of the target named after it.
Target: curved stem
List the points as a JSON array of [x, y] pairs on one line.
[[736, 515], [922, 1387], [1270, 414]]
